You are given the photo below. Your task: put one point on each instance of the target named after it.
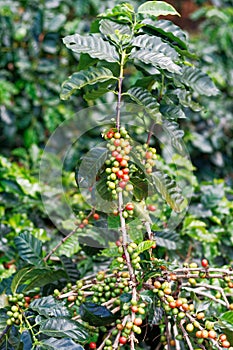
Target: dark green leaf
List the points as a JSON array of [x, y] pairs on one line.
[[168, 189], [33, 277], [29, 248], [198, 81], [168, 30], [99, 89], [45, 277], [96, 315], [26, 339], [61, 327], [49, 307], [167, 240], [94, 45], [157, 59], [71, 268], [83, 78], [155, 44], [172, 111], [54, 344], [157, 8], [3, 318], [143, 98], [23, 275], [125, 297]]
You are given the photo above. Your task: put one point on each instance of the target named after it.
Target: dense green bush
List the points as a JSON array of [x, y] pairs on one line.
[[148, 289]]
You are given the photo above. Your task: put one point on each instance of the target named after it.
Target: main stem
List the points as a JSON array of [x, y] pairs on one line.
[[121, 203], [120, 197]]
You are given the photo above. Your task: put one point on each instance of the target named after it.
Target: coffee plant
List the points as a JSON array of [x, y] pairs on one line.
[[139, 298]]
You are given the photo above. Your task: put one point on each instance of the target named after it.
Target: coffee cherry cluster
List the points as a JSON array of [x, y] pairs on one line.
[[83, 220], [134, 256], [147, 155], [110, 287], [117, 164], [18, 303], [179, 308]]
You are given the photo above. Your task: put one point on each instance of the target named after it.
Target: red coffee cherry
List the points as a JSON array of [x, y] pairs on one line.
[[205, 263], [92, 345], [123, 340]]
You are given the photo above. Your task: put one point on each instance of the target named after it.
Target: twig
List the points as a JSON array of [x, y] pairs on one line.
[[60, 243], [116, 342], [206, 295], [106, 338], [175, 330], [167, 332], [185, 334]]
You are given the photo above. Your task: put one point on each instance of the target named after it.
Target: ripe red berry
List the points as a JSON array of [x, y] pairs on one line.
[[125, 170], [110, 134], [92, 345], [204, 262], [151, 207], [125, 177], [119, 174], [119, 157], [117, 142], [122, 184], [226, 344], [115, 154], [129, 206], [124, 163], [96, 216], [123, 340]]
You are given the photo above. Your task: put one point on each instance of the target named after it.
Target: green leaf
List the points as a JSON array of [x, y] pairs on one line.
[[98, 90], [91, 165], [83, 78], [175, 134], [228, 317], [157, 59], [54, 344], [46, 276], [172, 111], [33, 277], [71, 268], [49, 307], [61, 327], [123, 12], [94, 45], [145, 245], [143, 98], [168, 189], [168, 30], [96, 315], [70, 246], [157, 8], [198, 81], [3, 319], [22, 276], [29, 248], [154, 43], [167, 240], [119, 33]]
